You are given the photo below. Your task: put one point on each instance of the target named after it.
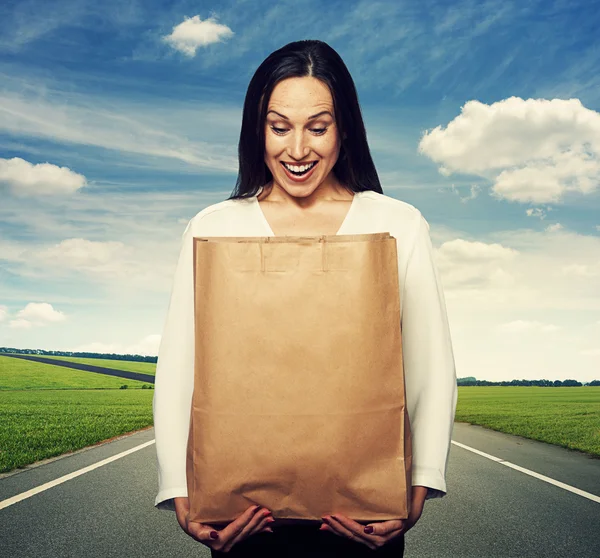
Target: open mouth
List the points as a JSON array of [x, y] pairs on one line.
[[299, 173]]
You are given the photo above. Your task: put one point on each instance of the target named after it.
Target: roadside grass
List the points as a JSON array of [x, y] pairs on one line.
[[47, 410], [50, 410], [564, 416], [16, 373], [128, 365]]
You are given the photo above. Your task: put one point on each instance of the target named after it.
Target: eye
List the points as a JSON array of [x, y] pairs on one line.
[[281, 131]]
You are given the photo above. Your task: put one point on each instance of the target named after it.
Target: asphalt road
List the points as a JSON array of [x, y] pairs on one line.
[[491, 510], [86, 367]]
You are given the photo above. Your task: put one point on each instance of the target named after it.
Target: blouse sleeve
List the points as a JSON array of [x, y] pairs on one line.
[[429, 368], [174, 382]]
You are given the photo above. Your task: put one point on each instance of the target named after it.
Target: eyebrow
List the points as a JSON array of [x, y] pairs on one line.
[[309, 118]]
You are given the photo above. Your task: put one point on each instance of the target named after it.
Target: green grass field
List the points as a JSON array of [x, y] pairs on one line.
[[564, 416], [47, 410], [58, 410], [128, 365], [16, 373]]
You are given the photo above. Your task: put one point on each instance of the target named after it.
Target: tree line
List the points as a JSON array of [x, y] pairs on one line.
[[112, 356], [471, 381], [468, 381]]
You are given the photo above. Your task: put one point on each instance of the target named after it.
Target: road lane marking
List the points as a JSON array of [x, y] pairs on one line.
[[549, 480], [69, 476], [36, 490]]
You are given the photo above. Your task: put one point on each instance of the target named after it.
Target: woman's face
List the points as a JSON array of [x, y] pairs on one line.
[[291, 137]]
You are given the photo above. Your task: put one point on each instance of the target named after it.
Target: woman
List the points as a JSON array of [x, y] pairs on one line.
[[305, 169]]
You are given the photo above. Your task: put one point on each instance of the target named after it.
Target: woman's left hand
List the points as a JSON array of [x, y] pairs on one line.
[[382, 531]]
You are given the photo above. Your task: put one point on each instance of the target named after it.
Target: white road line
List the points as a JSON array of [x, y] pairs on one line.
[[549, 480], [64, 478]]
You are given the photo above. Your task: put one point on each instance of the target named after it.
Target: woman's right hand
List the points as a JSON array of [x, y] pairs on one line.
[[254, 520]]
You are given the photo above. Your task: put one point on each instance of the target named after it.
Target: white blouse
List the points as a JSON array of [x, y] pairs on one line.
[[429, 369]]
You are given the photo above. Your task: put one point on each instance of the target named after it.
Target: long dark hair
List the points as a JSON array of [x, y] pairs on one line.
[[354, 167]]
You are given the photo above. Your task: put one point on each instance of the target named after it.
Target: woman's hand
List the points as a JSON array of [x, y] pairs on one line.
[[254, 520], [381, 532]]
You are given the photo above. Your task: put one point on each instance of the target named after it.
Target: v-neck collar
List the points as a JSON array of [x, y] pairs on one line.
[[270, 231]]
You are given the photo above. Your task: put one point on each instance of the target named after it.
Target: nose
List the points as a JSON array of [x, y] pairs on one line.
[[298, 148]]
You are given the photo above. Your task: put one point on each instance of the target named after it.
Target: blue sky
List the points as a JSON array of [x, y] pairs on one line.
[[119, 121]]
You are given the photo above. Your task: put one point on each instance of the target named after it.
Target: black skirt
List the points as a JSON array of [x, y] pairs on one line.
[[301, 541]]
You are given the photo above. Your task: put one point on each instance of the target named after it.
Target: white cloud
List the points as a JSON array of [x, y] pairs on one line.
[[509, 297], [26, 22], [193, 33], [147, 346], [534, 150], [474, 192], [591, 352], [522, 269], [36, 314], [473, 263], [476, 251], [538, 212], [140, 269], [582, 270], [108, 258], [520, 326], [3, 312], [21, 324], [180, 134], [40, 312], [27, 179], [548, 180], [144, 229], [555, 227], [137, 268]]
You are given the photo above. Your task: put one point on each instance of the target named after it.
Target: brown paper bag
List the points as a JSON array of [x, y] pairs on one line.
[[299, 397]]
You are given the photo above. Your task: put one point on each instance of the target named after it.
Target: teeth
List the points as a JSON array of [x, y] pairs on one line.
[[298, 169]]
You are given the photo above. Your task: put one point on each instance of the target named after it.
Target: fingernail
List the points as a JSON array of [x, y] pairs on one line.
[[214, 535], [368, 529], [334, 517]]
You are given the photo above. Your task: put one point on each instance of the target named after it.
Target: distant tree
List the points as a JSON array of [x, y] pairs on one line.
[[471, 381], [594, 383], [111, 356], [468, 381]]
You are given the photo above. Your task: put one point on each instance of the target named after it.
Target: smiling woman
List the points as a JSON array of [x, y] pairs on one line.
[[305, 149], [305, 169], [301, 164]]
